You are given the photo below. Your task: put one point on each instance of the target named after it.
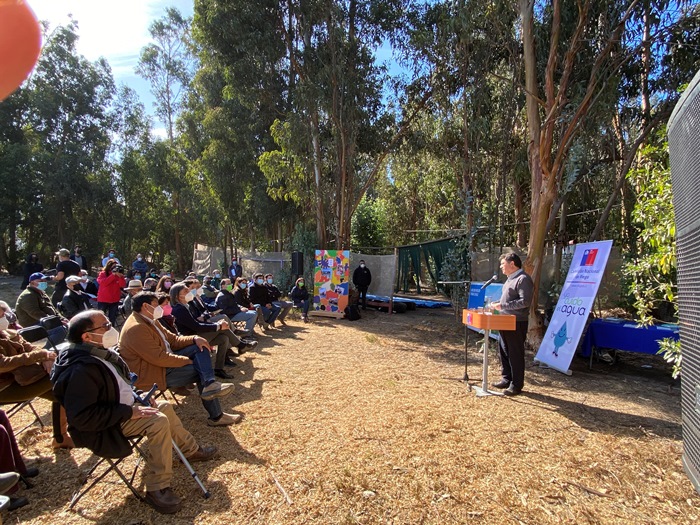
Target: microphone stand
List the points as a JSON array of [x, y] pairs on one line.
[[465, 379], [145, 402]]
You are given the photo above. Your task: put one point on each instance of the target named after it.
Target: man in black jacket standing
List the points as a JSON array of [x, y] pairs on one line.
[[93, 384], [362, 278]]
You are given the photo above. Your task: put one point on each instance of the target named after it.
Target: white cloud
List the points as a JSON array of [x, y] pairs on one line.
[[116, 31]]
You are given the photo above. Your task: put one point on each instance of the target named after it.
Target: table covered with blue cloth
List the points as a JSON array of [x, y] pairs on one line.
[[621, 334]]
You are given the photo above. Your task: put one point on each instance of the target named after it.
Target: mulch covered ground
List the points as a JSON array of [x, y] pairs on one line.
[[366, 422]]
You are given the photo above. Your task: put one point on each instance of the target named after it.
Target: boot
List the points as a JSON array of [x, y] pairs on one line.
[[62, 439]]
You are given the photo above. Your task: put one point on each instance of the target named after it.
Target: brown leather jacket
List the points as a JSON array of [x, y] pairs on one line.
[[144, 351], [16, 352]]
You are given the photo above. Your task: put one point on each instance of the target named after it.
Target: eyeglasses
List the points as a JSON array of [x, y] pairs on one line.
[[106, 326]]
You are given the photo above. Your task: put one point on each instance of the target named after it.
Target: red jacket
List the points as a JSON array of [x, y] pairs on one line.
[[110, 290]]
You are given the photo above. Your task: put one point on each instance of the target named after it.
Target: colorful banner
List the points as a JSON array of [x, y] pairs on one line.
[[575, 302], [331, 280]]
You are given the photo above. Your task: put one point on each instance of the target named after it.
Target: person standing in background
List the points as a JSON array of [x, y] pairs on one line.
[[64, 269], [362, 278], [77, 257], [235, 270], [32, 265]]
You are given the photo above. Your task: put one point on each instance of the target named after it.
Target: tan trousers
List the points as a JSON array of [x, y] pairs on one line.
[[160, 431]]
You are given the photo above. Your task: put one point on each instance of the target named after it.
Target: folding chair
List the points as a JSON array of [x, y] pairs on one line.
[[113, 466]]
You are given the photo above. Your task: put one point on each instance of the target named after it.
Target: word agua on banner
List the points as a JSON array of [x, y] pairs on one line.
[[575, 303]]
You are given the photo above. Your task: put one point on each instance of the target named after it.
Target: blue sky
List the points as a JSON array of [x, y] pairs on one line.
[[114, 30]]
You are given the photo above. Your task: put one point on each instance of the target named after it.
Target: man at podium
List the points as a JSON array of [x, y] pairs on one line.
[[516, 297]]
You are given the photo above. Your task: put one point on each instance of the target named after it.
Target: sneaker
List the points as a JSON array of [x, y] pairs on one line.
[[225, 420], [216, 389]]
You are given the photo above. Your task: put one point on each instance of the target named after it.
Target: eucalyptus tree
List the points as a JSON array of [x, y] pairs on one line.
[[573, 56], [69, 131], [169, 64]]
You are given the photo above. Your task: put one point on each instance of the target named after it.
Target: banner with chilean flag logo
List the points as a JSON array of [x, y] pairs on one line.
[[575, 303]]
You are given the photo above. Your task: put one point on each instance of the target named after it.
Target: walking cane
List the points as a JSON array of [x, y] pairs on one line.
[[145, 402]]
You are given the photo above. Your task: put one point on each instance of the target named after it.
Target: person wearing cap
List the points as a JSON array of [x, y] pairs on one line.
[[111, 254], [74, 300], [33, 304], [135, 286], [64, 269]]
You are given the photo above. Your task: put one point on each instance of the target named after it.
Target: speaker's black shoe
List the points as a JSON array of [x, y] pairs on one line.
[[229, 362], [512, 391], [503, 383]]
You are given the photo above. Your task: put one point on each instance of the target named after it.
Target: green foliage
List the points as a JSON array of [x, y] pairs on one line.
[[670, 349], [369, 224], [652, 272]]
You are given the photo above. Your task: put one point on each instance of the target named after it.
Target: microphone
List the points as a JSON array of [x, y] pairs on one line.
[[490, 281]]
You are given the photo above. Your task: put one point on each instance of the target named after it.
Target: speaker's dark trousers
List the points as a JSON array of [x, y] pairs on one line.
[[512, 353]]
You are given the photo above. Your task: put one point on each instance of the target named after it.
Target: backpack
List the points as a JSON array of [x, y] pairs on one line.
[[352, 312]]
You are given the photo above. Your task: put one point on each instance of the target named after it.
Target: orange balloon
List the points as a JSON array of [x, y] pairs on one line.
[[20, 43]]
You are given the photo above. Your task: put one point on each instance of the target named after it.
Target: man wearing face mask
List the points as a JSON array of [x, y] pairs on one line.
[[260, 295], [276, 296], [362, 278], [216, 280], [93, 384], [74, 301], [226, 302], [111, 254], [140, 267], [88, 286], [33, 304], [170, 361]]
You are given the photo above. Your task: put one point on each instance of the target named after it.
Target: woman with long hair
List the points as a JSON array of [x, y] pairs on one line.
[[111, 280]]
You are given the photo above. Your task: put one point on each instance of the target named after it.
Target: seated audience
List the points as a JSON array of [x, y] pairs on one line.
[[300, 295], [260, 295], [217, 334], [33, 304], [7, 312], [88, 285], [149, 285], [135, 286], [11, 461], [74, 300], [240, 293], [276, 295], [139, 267], [226, 302], [93, 383], [24, 375], [169, 360]]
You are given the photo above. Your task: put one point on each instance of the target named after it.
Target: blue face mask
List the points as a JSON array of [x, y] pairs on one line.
[[137, 276], [258, 281], [42, 286], [269, 281], [242, 286]]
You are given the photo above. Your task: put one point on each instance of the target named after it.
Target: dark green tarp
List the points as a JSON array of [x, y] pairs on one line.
[[433, 254]]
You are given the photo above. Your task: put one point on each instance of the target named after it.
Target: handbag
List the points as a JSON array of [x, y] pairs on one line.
[[29, 374]]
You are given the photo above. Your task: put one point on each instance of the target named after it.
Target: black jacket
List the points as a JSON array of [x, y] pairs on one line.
[[274, 292], [187, 324], [259, 294], [299, 294], [90, 394], [74, 302], [362, 277], [226, 302]]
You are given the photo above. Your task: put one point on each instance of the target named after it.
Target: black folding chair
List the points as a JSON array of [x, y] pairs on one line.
[[112, 466]]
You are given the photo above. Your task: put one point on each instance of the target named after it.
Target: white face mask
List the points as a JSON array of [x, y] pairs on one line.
[[110, 338], [362, 266], [157, 312], [4, 323], [189, 297]]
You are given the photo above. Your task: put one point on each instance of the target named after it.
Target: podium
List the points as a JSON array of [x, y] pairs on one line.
[[487, 321]]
